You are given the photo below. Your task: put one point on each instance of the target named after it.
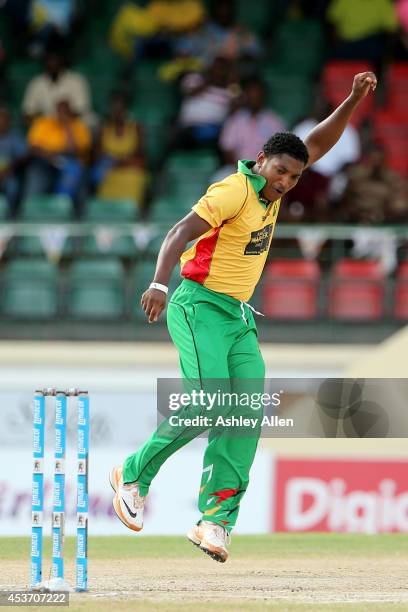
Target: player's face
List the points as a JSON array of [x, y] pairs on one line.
[[282, 173]]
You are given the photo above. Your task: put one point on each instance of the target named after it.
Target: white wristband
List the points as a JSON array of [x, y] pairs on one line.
[[160, 287]]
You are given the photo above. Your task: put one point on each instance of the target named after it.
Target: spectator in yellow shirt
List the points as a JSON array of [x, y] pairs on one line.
[[59, 145], [119, 169], [149, 31], [361, 27]]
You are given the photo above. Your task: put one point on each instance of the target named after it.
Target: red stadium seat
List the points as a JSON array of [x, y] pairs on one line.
[[357, 290], [290, 289], [397, 87], [337, 81], [401, 293], [391, 130]]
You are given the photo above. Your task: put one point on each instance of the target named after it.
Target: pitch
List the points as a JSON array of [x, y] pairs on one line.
[[285, 572]]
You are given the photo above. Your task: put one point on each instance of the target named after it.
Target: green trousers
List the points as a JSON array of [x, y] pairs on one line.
[[216, 339]]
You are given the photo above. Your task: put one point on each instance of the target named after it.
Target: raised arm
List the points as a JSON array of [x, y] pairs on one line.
[[191, 227], [325, 135]]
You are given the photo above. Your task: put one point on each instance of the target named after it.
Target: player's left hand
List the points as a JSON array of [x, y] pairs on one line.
[[363, 83]]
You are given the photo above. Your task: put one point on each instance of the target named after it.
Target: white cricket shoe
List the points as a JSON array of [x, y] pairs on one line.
[[213, 539], [127, 503]]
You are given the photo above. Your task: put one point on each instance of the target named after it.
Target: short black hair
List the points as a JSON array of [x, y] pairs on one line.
[[286, 143]]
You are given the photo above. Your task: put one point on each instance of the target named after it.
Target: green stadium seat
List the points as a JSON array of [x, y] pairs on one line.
[[153, 246], [256, 16], [154, 98], [99, 210], [47, 208], [110, 212], [26, 246], [198, 162], [300, 44], [4, 208], [96, 289], [120, 245], [168, 210], [40, 209], [19, 73], [30, 289], [289, 95], [142, 276], [188, 175]]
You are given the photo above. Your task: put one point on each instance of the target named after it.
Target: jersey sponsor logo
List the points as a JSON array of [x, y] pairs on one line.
[[259, 242]]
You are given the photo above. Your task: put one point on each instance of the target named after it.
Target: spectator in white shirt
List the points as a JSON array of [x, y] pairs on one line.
[[248, 128], [346, 151], [204, 107], [320, 182], [56, 83]]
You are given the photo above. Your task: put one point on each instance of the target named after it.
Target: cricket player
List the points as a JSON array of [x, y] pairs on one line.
[[211, 322]]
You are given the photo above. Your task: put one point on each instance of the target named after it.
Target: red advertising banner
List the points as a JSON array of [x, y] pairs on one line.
[[340, 496]]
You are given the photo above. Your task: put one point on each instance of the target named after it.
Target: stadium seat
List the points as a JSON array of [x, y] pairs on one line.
[[290, 289], [142, 276], [19, 73], [391, 130], [337, 80], [290, 95], [300, 46], [257, 16], [170, 209], [195, 162], [105, 242], [47, 208], [40, 209], [4, 209], [356, 291], [400, 309], [96, 289], [30, 289], [154, 244], [99, 210], [188, 175], [397, 87]]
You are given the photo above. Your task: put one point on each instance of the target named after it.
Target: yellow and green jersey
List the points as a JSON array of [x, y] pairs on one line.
[[230, 257]]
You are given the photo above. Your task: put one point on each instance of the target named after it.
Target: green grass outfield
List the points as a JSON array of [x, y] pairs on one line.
[[280, 545], [392, 548]]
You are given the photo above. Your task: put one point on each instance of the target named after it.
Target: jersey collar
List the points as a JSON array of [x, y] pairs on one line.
[[258, 182]]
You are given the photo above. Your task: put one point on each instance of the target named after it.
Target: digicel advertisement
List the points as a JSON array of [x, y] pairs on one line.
[[341, 496]]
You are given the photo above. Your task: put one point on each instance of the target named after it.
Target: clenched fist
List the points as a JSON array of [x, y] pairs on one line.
[[363, 83]]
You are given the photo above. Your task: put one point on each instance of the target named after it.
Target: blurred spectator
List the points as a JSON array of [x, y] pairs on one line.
[[205, 106], [148, 31], [400, 51], [345, 151], [56, 83], [13, 154], [18, 12], [59, 144], [247, 129], [221, 36], [50, 23], [361, 27], [310, 200], [374, 193], [119, 171]]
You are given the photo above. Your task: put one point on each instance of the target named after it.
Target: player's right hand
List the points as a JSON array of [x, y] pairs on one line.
[[153, 303]]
